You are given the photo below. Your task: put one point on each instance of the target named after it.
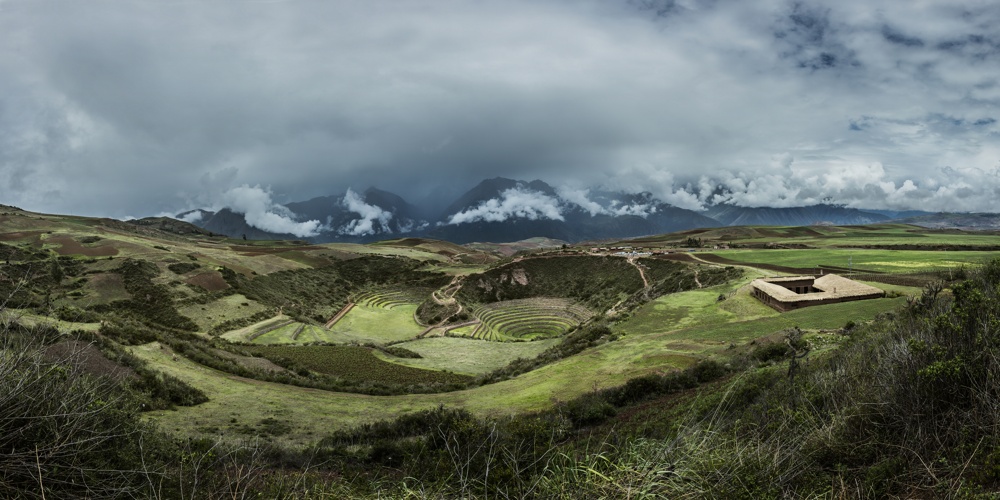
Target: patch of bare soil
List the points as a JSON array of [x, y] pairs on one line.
[[20, 235], [69, 246], [211, 281], [88, 358]]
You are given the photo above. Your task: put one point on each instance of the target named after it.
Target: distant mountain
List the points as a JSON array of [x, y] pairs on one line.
[[507, 210], [973, 221], [900, 214], [731, 215], [499, 210]]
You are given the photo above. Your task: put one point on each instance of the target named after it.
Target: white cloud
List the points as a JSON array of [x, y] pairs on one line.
[[262, 213], [192, 216], [369, 215], [579, 197], [513, 203], [640, 209]]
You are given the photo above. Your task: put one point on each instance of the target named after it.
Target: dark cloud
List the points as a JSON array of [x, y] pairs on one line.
[[138, 108]]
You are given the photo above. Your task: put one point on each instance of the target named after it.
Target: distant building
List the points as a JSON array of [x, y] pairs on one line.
[[793, 292]]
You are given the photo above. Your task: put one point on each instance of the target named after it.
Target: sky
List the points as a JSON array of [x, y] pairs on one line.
[[131, 108]]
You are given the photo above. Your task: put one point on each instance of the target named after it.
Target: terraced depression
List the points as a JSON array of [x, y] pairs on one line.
[[528, 319]]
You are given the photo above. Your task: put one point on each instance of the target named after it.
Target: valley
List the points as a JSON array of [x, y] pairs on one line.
[[291, 341]]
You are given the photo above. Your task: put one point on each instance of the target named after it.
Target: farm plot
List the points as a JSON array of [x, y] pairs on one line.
[[888, 261], [528, 318], [292, 333], [375, 324], [356, 364], [465, 355], [388, 299], [230, 307], [259, 329]]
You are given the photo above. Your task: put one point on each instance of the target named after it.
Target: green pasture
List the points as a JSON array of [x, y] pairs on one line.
[[227, 308], [375, 324], [699, 317], [27, 318], [828, 236], [891, 261], [671, 332], [469, 356], [284, 334], [361, 325], [354, 363]]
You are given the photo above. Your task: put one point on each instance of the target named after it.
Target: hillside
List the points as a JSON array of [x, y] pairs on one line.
[[220, 339]]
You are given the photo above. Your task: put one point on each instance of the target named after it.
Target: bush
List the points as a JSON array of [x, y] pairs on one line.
[[770, 351], [82, 439], [76, 315], [183, 267]]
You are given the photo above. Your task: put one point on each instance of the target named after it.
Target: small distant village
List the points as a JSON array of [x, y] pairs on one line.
[[627, 251]]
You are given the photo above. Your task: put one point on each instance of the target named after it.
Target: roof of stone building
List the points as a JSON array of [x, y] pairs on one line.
[[831, 286]]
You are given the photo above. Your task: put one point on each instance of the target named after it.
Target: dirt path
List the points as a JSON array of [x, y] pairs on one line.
[[339, 315], [632, 260], [696, 280]]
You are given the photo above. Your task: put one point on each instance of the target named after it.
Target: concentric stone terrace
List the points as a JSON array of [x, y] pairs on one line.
[[529, 318]]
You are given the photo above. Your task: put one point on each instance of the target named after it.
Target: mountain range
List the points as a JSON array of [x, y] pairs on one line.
[[502, 210]]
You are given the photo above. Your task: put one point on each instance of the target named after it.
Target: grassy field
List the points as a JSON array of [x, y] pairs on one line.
[[470, 356], [293, 333], [892, 261], [828, 236], [227, 308], [375, 324], [669, 333], [354, 363]]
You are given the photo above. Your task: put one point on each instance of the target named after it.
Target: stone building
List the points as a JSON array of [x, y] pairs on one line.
[[787, 293]]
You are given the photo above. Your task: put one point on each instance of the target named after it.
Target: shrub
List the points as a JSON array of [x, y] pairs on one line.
[[82, 439]]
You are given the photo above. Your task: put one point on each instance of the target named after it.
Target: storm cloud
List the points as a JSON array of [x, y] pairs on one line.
[[137, 108]]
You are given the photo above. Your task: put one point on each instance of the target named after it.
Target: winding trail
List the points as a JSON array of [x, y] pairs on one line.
[[447, 298], [632, 260]]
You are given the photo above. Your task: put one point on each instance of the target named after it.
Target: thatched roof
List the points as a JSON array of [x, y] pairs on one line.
[[830, 286]]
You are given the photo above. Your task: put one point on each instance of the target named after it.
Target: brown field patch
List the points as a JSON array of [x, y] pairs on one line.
[[211, 281], [88, 358], [21, 235], [69, 246]]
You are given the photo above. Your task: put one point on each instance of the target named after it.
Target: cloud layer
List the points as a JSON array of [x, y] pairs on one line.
[[260, 212], [114, 108]]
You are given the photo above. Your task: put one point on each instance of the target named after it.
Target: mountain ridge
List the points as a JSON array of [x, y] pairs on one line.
[[503, 210]]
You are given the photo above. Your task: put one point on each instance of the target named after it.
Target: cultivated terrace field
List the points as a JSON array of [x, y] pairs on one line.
[[178, 363]]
